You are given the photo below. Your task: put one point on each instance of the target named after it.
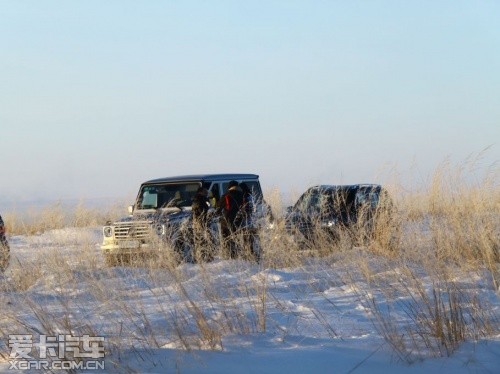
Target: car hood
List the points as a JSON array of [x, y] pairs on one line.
[[162, 215]]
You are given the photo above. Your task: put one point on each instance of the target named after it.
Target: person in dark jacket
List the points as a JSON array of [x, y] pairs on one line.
[[200, 208], [231, 219], [4, 247], [200, 204], [248, 203], [248, 226]]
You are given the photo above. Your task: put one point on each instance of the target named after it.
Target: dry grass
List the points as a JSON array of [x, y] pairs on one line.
[[450, 236], [56, 216], [445, 234]]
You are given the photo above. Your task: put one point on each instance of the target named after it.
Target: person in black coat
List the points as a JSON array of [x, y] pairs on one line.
[[200, 208], [248, 226], [229, 207], [4, 247], [200, 205]]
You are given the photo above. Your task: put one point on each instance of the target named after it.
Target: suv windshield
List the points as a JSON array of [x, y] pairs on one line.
[[367, 197], [156, 196]]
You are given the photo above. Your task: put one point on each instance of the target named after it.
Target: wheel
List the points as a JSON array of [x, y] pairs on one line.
[[256, 248], [113, 260], [185, 251], [110, 260]]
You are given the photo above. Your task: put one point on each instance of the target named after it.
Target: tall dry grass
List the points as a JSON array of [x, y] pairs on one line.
[[57, 216], [450, 238], [456, 219], [445, 235]]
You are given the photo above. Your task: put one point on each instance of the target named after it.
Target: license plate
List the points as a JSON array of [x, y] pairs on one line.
[[130, 244]]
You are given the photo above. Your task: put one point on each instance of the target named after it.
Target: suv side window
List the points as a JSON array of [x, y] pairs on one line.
[[310, 202], [255, 189], [316, 203], [367, 197]]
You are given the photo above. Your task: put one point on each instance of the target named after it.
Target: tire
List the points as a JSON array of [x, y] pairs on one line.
[[184, 251], [113, 260], [256, 249]]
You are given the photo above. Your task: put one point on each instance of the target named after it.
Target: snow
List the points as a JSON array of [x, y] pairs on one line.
[[312, 318]]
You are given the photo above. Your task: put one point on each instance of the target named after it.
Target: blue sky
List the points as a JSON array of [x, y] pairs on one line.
[[98, 96]]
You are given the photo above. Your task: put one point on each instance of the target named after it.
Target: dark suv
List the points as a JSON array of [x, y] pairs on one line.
[[4, 247], [161, 218], [333, 210]]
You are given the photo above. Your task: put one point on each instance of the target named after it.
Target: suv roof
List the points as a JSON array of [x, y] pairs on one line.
[[330, 187], [204, 177]]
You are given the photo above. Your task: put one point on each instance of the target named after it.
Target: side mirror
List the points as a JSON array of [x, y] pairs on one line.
[[131, 209]]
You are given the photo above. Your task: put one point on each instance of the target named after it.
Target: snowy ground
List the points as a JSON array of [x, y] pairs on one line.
[[312, 318]]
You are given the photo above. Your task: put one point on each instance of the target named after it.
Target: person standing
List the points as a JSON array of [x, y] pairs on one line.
[[200, 208], [4, 247], [231, 220], [248, 226]]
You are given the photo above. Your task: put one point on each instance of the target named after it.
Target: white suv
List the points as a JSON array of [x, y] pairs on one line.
[[162, 214]]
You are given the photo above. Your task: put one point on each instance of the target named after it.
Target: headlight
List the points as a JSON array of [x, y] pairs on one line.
[[107, 231], [329, 223], [161, 230]]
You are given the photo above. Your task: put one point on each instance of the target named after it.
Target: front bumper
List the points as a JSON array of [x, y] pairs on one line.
[[120, 249]]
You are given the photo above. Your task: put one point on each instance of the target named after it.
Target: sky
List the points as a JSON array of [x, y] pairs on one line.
[[99, 96]]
